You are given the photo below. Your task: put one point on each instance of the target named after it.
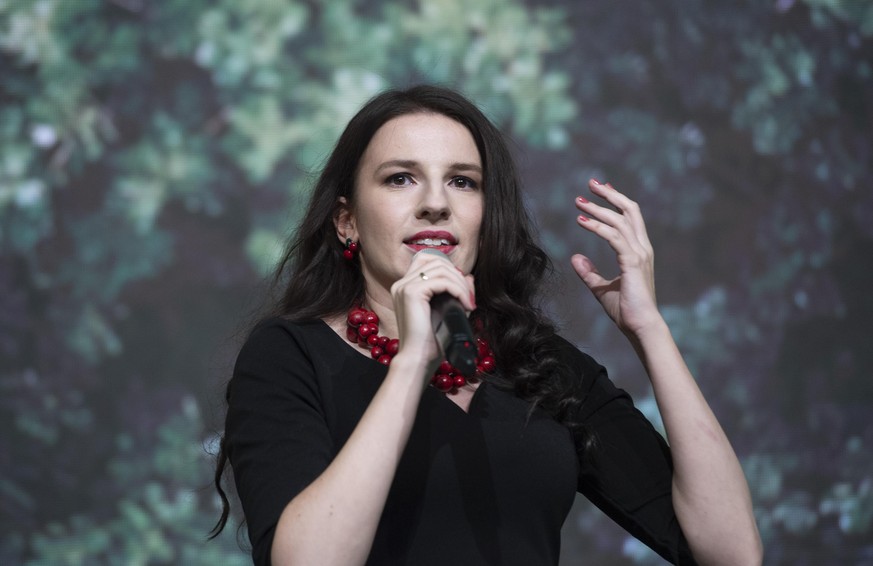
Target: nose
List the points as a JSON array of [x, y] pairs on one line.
[[434, 203]]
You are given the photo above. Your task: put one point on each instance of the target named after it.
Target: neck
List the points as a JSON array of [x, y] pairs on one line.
[[383, 305], [377, 298]]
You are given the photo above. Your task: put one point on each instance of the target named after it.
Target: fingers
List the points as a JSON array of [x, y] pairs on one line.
[[626, 219], [431, 274], [428, 275], [622, 227], [587, 271]]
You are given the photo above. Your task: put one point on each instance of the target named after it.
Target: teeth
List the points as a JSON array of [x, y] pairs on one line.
[[431, 242]]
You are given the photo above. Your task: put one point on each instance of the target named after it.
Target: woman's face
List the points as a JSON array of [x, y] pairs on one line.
[[418, 185]]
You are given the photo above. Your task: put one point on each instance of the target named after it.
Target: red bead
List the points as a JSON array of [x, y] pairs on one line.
[[443, 382], [348, 254], [392, 347], [353, 247], [363, 328], [352, 335], [483, 348]]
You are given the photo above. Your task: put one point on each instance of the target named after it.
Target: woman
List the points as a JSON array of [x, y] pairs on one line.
[[342, 453]]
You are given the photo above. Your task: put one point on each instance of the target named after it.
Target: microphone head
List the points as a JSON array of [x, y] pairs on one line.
[[432, 251]]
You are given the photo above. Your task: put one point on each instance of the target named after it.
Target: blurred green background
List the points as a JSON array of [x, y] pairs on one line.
[[155, 153]]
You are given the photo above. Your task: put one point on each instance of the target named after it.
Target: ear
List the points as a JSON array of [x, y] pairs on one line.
[[344, 220]]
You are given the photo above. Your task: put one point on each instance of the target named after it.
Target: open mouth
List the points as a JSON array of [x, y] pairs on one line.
[[443, 241], [430, 242]]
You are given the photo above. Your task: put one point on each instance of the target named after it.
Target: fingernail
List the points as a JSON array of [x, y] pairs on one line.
[[596, 182], [473, 300], [583, 218], [582, 200]]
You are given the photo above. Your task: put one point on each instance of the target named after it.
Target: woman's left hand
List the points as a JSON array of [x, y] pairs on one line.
[[710, 494], [629, 298]]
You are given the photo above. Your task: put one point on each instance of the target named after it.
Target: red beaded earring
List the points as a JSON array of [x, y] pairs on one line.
[[351, 249]]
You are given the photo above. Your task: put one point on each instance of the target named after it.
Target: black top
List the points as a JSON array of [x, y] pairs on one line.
[[488, 486]]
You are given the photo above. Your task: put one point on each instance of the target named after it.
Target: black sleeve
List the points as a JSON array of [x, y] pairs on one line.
[[627, 470], [277, 437]]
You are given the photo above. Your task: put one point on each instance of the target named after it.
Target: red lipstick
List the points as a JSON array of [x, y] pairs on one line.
[[436, 239]]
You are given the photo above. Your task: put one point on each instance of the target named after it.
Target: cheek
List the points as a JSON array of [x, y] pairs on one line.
[[371, 221], [475, 219], [380, 227], [474, 234]]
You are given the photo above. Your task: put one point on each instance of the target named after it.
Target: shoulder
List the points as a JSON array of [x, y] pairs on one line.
[[573, 357], [588, 379], [580, 370], [276, 348], [276, 326], [278, 334]]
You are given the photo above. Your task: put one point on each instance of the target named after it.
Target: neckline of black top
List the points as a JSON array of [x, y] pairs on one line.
[[429, 391]]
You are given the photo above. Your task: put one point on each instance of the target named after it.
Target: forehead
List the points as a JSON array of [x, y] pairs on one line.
[[422, 136]]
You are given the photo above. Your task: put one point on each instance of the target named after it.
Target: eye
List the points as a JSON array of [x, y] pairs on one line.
[[399, 179], [464, 183]]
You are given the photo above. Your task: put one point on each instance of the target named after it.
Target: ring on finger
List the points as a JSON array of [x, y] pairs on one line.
[[423, 276]]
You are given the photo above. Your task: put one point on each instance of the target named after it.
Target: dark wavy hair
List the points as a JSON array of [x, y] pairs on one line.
[[509, 272]]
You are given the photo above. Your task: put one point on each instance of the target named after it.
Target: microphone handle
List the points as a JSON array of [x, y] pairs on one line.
[[453, 333]]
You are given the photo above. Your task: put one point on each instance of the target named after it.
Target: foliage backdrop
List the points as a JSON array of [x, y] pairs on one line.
[[154, 155]]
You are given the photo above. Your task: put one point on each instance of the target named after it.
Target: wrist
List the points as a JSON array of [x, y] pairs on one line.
[[412, 364], [653, 331]]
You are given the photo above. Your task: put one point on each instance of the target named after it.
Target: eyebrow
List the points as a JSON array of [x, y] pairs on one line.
[[410, 164]]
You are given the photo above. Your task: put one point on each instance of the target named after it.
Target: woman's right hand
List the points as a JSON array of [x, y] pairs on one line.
[[428, 275]]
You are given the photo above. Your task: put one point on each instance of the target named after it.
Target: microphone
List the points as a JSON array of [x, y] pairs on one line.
[[452, 329]]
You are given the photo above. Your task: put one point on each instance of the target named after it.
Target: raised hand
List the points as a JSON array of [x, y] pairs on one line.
[[629, 298]]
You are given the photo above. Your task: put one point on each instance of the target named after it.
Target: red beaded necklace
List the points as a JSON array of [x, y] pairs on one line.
[[363, 329]]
